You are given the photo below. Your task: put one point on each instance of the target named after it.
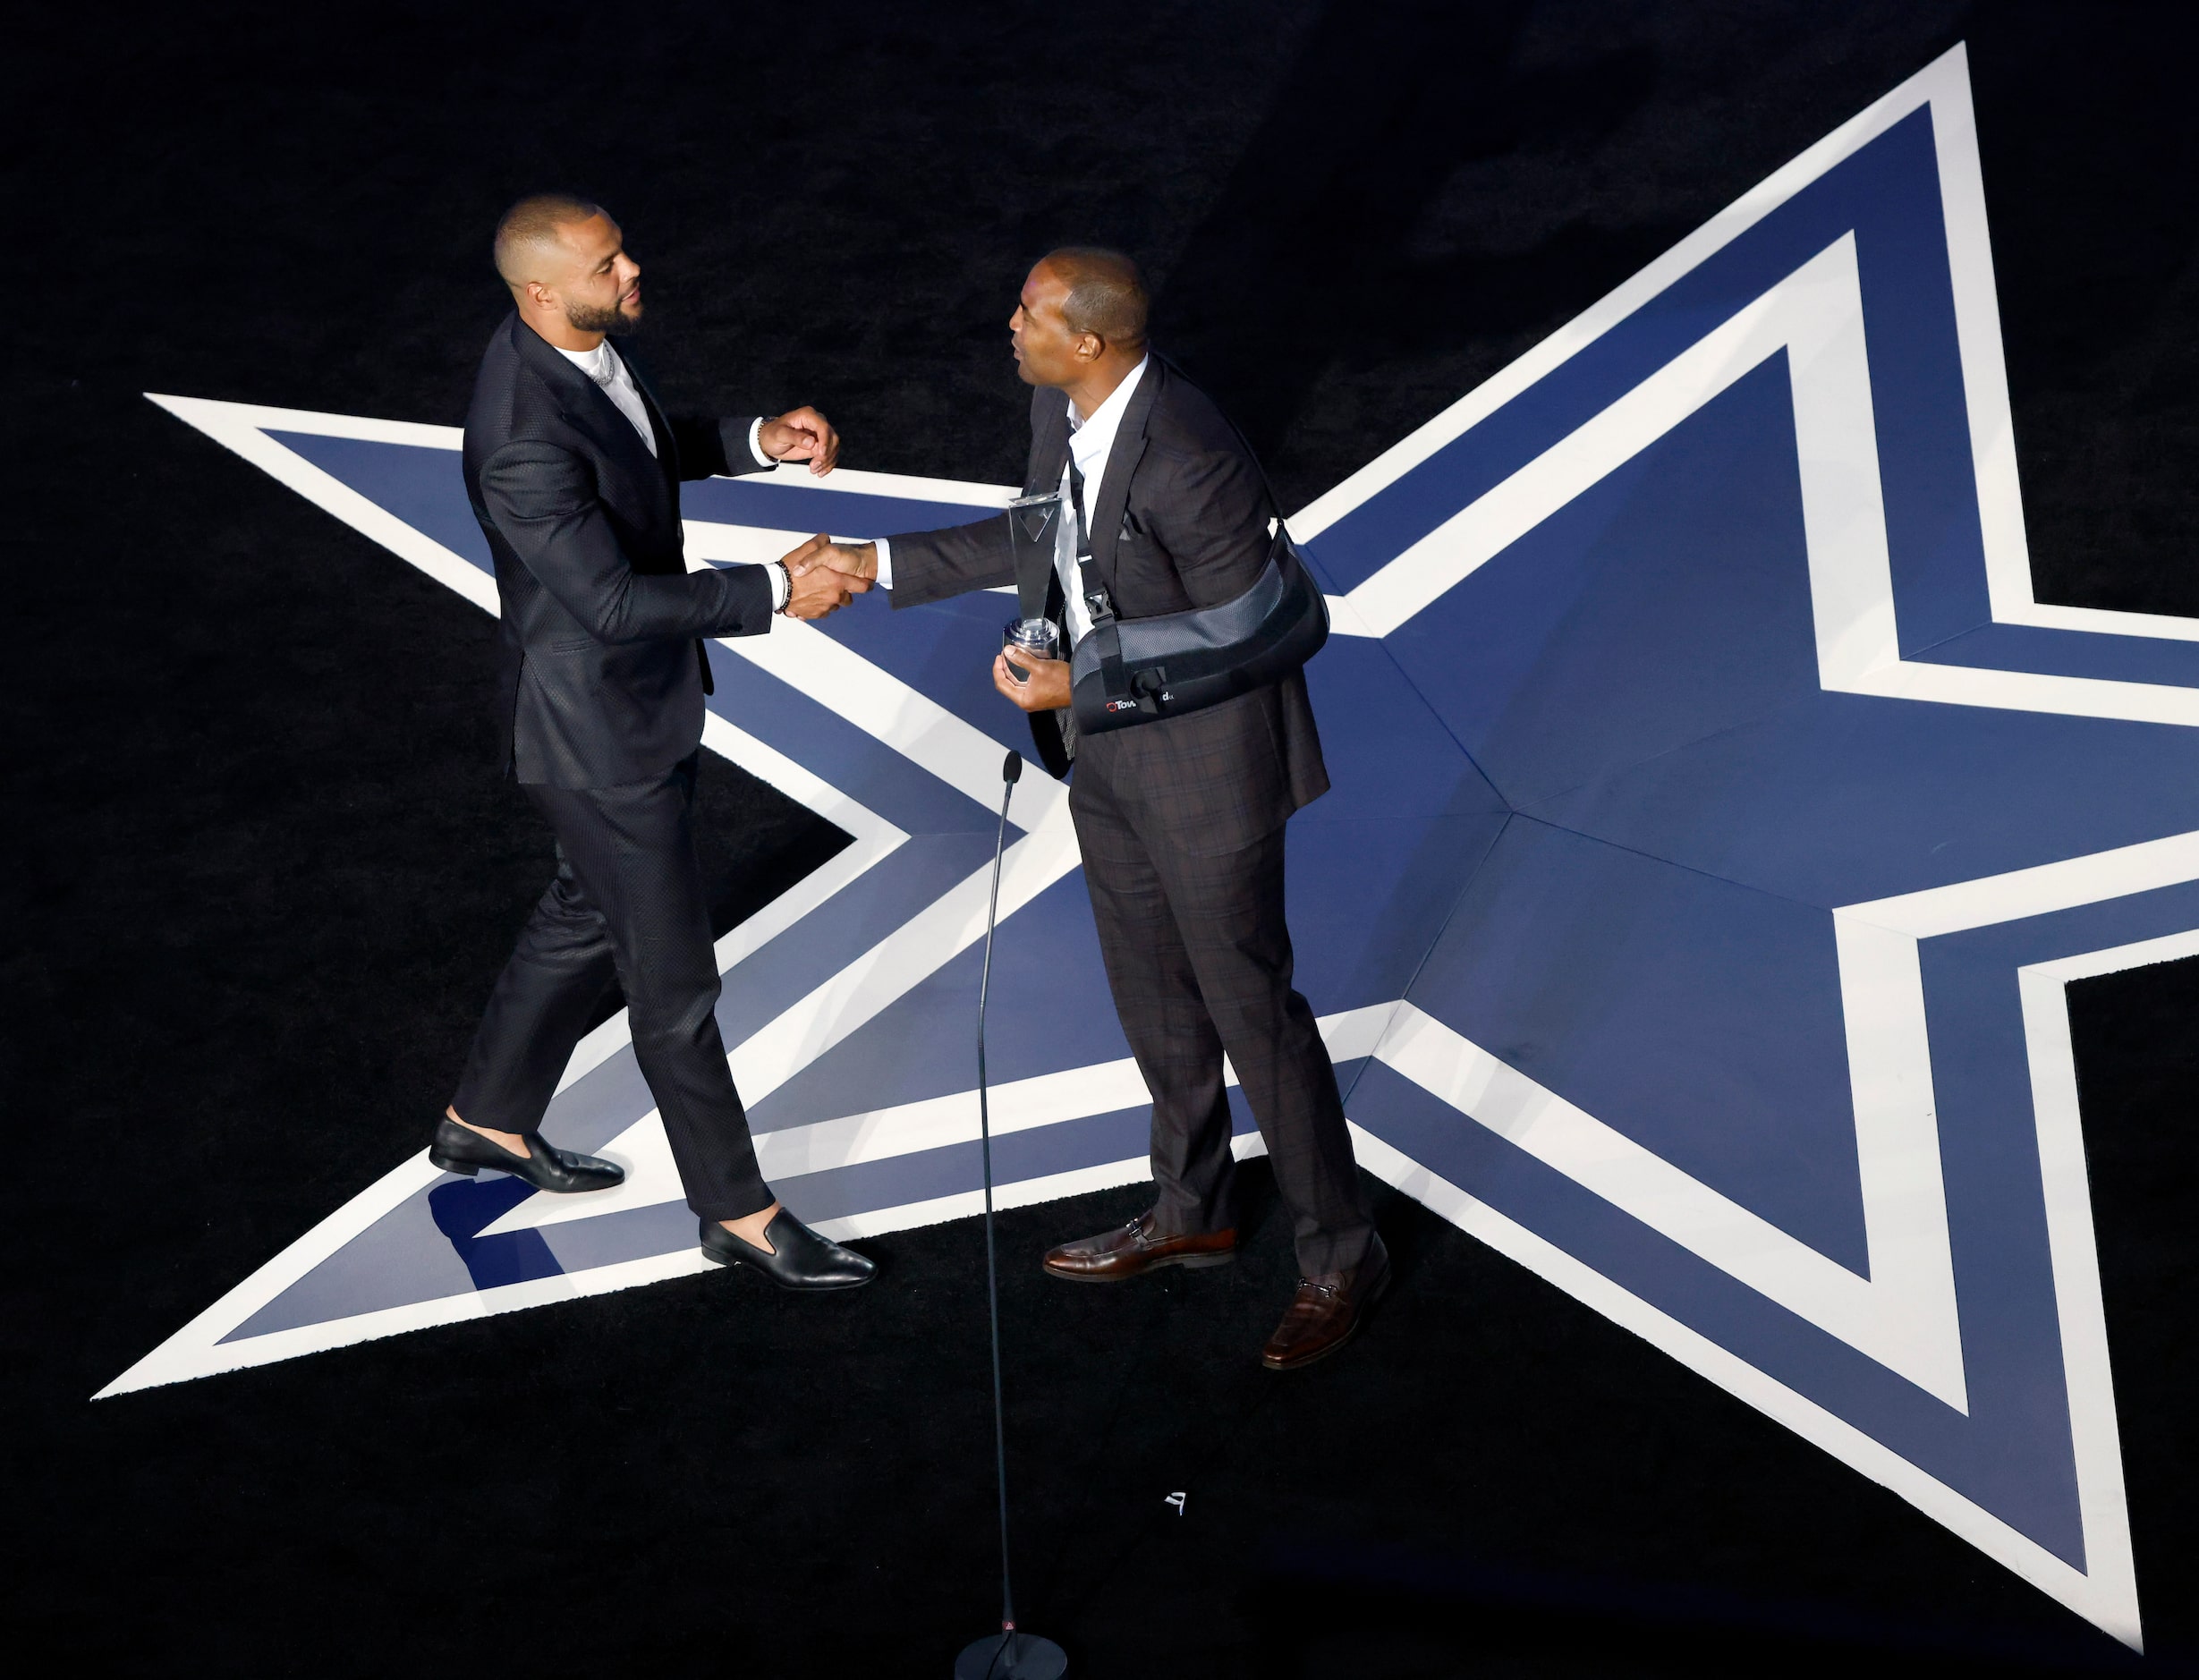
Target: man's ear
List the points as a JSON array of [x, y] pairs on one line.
[[1091, 346]]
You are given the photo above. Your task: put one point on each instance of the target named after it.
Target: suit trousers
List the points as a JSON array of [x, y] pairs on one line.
[[627, 902], [1198, 959]]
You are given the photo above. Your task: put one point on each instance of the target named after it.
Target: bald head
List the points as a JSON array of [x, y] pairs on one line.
[[567, 263], [529, 245], [1105, 294]]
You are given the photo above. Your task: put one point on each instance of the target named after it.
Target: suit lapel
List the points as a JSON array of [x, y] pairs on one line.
[[1049, 454], [667, 451], [1123, 457], [589, 406]]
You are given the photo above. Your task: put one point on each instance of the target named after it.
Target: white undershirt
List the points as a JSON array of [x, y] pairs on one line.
[[609, 370], [1090, 443]]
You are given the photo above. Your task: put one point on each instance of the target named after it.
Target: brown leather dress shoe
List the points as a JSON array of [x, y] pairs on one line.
[[1327, 1310], [1133, 1250]]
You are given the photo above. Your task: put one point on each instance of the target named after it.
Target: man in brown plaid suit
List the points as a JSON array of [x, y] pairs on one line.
[[1181, 819]]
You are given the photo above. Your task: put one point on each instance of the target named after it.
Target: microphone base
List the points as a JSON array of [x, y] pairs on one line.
[[1027, 1657]]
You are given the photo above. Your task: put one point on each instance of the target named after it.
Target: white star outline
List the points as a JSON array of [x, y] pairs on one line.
[[1904, 1314]]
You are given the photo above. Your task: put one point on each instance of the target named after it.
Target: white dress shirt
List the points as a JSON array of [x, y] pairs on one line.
[[608, 369], [1090, 443]]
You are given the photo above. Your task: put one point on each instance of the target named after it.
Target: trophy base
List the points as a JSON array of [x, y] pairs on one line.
[[1017, 1656]]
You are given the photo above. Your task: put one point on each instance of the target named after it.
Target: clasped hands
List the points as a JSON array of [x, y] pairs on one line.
[[816, 588], [826, 575], [821, 564]]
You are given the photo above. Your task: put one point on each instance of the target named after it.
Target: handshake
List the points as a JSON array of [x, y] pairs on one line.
[[825, 576]]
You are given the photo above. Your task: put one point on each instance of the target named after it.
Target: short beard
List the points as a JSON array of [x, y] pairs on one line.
[[613, 320]]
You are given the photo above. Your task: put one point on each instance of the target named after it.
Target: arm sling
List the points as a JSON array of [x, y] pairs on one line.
[[1127, 672]]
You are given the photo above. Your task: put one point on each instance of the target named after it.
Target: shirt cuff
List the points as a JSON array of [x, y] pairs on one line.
[[782, 584], [755, 443]]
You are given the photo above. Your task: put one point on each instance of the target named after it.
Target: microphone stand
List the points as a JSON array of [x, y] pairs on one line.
[[1010, 1654]]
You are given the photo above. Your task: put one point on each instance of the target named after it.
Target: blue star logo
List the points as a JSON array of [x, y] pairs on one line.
[[1717, 821]]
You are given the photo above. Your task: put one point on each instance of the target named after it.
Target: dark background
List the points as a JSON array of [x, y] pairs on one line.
[[263, 873]]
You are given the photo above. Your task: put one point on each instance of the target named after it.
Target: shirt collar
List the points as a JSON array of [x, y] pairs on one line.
[[597, 363], [1100, 428]]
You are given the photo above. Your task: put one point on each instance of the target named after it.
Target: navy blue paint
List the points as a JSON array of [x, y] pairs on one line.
[[1639, 992], [462, 1207], [422, 485], [1998, 1455], [1051, 1010], [777, 504], [864, 766], [1666, 604], [944, 651]]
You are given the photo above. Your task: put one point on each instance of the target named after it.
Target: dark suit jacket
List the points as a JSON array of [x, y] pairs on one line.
[[600, 671], [1181, 522]]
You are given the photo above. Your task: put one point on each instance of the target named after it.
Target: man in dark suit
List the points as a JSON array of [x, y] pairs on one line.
[[1180, 821], [574, 469]]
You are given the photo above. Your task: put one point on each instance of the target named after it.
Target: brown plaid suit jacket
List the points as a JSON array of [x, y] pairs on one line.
[[1181, 522]]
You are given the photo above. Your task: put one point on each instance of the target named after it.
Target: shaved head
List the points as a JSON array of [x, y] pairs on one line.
[[1107, 293], [566, 261], [528, 237]]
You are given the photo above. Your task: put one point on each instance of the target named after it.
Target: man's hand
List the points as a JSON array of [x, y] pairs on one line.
[[1044, 686], [850, 559], [817, 590], [801, 433]]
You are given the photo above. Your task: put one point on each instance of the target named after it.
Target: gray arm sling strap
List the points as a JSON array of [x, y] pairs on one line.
[[1127, 672]]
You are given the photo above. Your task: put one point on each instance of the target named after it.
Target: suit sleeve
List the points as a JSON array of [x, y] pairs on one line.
[[929, 566], [707, 447], [1210, 514], [543, 501]]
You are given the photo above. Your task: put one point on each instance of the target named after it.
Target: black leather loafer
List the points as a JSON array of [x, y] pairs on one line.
[[802, 1260], [460, 1149]]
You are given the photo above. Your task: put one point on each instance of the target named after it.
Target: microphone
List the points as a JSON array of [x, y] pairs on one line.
[[1011, 1654]]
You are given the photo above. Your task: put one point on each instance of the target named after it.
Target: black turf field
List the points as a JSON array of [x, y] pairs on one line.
[[264, 874]]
